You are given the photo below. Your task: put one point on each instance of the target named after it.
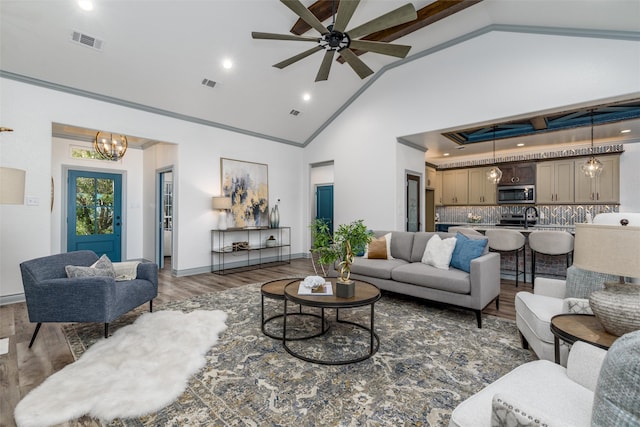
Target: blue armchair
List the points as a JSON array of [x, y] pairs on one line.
[[53, 297]]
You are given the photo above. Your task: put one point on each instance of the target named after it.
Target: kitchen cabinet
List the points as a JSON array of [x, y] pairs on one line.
[[431, 178], [437, 191], [554, 181], [481, 190], [602, 189], [455, 187], [518, 173]]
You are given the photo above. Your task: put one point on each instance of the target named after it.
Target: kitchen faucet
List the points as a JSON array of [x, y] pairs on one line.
[[526, 223]]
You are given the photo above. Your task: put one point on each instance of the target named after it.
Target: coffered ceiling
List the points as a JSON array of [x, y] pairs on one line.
[[166, 56]]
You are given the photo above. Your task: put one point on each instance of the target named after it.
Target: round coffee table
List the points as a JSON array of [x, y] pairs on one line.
[[579, 327], [365, 294], [274, 289]]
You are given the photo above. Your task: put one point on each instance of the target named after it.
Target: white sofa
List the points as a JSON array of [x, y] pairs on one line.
[[540, 389]]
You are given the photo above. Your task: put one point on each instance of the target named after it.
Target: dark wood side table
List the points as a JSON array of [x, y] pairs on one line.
[[579, 327]]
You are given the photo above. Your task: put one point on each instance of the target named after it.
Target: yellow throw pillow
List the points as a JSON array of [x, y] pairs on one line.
[[377, 249]]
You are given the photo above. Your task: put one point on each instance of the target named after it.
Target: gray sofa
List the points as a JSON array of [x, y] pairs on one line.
[[406, 274]]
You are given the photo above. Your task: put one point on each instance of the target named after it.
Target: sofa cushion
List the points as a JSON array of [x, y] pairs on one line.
[[466, 249], [617, 397], [420, 240], [379, 268], [420, 274], [537, 311], [438, 252], [580, 283], [402, 244]]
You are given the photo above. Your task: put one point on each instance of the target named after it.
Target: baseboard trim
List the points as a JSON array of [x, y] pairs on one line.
[[11, 299]]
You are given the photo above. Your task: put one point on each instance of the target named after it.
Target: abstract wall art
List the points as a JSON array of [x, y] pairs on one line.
[[248, 186]]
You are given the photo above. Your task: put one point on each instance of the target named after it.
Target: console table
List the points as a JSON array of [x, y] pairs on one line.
[[237, 249]]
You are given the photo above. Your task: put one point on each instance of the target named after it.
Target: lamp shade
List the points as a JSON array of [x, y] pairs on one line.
[[609, 249], [11, 186], [221, 203]]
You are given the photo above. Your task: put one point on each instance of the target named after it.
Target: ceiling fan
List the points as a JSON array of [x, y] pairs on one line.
[[334, 38]]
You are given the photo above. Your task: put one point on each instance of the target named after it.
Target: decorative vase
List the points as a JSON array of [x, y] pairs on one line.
[[617, 307], [271, 242], [345, 289], [276, 217]]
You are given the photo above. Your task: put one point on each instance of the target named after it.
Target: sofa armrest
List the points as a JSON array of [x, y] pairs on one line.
[[148, 271], [584, 364], [485, 279], [70, 299], [549, 287]]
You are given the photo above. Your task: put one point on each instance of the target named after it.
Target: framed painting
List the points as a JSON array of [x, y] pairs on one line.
[[248, 186]]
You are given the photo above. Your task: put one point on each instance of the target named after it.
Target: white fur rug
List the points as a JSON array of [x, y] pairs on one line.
[[140, 369]]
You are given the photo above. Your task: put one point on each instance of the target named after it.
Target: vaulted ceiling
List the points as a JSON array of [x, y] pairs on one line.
[[166, 56]]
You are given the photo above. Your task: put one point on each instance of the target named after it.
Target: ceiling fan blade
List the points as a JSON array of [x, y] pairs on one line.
[[344, 14], [356, 63], [398, 16], [272, 36], [398, 50], [304, 13], [298, 57], [325, 67]]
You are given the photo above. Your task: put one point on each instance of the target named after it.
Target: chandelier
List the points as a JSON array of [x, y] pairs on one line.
[[494, 174], [110, 146], [592, 167]]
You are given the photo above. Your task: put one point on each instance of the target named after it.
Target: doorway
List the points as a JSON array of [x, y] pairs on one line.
[[165, 218], [94, 212], [413, 203]]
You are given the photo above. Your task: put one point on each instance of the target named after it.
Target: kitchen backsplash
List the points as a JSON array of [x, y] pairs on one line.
[[552, 214]]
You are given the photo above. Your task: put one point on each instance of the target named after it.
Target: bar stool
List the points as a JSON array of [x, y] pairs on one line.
[[508, 241], [553, 243]]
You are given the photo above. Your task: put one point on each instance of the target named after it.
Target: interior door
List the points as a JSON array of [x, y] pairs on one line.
[[94, 213], [413, 203], [324, 204]]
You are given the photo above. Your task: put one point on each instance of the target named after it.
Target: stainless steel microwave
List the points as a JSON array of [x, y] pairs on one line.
[[515, 194]]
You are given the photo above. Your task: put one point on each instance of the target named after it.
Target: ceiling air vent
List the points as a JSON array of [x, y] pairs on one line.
[[208, 83], [294, 112], [86, 40]]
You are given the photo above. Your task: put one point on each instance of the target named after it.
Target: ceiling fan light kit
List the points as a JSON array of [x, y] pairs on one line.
[[335, 38]]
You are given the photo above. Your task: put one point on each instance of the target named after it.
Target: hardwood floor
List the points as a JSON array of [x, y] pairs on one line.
[[22, 369]]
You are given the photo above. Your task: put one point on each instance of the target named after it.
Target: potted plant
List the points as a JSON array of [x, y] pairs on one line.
[[321, 239], [347, 240]]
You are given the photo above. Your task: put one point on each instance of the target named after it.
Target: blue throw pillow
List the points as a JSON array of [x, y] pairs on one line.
[[466, 249]]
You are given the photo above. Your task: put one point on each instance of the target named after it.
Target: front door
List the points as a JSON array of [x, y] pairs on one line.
[[94, 207]]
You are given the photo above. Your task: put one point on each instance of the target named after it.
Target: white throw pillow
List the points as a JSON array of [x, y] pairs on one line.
[[438, 252], [387, 237]]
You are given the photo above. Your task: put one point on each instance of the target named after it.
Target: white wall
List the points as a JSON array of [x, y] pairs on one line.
[[27, 231], [490, 77]]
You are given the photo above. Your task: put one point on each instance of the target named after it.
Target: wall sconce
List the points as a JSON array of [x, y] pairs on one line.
[[11, 186], [222, 204]]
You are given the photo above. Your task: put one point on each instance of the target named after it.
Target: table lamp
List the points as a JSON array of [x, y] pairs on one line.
[[612, 249], [11, 186], [222, 204]]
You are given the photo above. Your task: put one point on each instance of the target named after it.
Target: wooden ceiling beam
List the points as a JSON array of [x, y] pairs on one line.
[[429, 14]]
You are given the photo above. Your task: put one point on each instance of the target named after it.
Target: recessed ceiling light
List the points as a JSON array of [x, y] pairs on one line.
[[85, 4], [445, 154], [227, 64], [306, 97], [625, 131], [520, 144]]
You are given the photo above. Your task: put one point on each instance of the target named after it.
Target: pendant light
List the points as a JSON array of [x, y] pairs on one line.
[[494, 174], [110, 146], [592, 167]]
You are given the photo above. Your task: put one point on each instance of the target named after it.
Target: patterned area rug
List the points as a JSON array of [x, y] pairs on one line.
[[430, 359]]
